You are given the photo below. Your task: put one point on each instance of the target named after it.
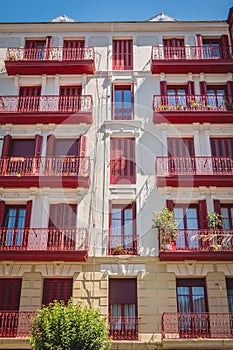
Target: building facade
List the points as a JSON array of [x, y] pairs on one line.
[[101, 125]]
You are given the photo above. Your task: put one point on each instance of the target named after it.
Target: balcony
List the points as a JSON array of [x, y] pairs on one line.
[[194, 171], [123, 328], [123, 245], [54, 60], [189, 109], [15, 324], [177, 326], [39, 244], [68, 172], [46, 109], [195, 59], [198, 244]]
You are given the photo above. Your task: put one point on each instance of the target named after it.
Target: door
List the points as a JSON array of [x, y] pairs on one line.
[[35, 50], [69, 98], [174, 48], [192, 308], [73, 50], [122, 102], [181, 156], [222, 152], [187, 230], [62, 226], [176, 97]]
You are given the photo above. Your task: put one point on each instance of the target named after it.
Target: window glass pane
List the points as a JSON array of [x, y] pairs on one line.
[[116, 213], [21, 218], [225, 218], [11, 218], [183, 299], [191, 218], [118, 96], [198, 299], [179, 217]]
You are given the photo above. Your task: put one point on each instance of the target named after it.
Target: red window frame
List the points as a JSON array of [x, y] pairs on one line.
[[221, 147], [122, 161], [174, 48], [180, 147], [124, 241], [57, 289], [229, 208], [122, 54], [10, 291], [122, 110], [192, 283], [63, 215]]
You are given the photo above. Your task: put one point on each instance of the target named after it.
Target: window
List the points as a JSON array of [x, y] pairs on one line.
[[123, 102], [211, 48], [221, 147], [122, 161], [181, 155], [73, 49], [69, 98], [187, 219], [227, 216], [35, 49], [57, 289], [10, 290], [29, 98], [122, 56], [216, 97], [123, 309], [176, 96], [192, 304], [123, 229], [14, 220], [62, 226], [174, 48]]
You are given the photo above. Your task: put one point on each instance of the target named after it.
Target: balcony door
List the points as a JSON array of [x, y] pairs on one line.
[[192, 306], [35, 49], [216, 97], [13, 223], [174, 48], [176, 96], [29, 98], [123, 102], [69, 98], [181, 156], [123, 309], [123, 229], [73, 50], [187, 219], [62, 226], [222, 152]]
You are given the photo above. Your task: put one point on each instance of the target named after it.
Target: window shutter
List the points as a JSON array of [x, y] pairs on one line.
[[170, 204], [50, 145], [2, 209], [6, 148], [28, 214], [225, 50], [203, 88], [59, 289], [38, 145], [217, 206], [230, 90], [123, 291], [199, 40], [10, 290], [82, 146], [48, 42], [163, 91], [191, 91], [203, 214], [199, 45]]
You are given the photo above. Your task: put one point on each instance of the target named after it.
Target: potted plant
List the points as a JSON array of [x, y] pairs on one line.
[[214, 223], [164, 221]]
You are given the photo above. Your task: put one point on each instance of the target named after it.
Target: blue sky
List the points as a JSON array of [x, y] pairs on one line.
[[112, 10]]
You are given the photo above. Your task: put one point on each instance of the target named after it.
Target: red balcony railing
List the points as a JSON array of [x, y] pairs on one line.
[[53, 60], [45, 166], [192, 103], [122, 111], [15, 324], [175, 166], [204, 240], [197, 325], [47, 239], [29, 104], [123, 245], [196, 59], [191, 53], [123, 328], [50, 54]]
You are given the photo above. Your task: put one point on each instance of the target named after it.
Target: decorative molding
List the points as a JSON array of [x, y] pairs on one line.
[[58, 269], [123, 191], [123, 128], [190, 268], [8, 268], [123, 269], [227, 269]]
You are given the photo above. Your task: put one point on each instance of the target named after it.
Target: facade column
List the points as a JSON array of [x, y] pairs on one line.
[[196, 127]]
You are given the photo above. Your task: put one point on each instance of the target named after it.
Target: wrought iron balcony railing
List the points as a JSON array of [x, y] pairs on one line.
[[15, 324], [123, 245], [47, 239], [45, 166], [199, 240], [175, 166], [50, 54], [29, 104], [191, 53], [123, 328], [192, 103], [197, 325]]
